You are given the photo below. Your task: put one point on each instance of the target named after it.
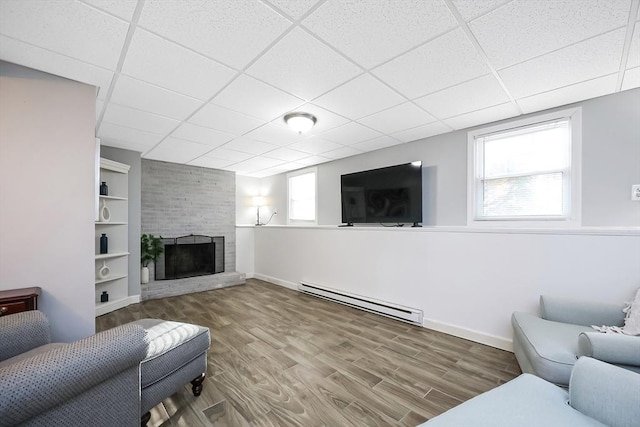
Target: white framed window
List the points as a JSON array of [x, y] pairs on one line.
[[301, 196], [526, 172]]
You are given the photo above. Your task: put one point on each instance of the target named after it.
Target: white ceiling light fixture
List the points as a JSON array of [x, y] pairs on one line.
[[300, 122]]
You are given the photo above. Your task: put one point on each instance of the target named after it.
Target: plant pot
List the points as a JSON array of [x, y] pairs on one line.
[[144, 275]]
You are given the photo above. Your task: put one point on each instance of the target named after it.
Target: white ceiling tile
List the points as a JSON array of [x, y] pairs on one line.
[[225, 120], [634, 50], [249, 146], [285, 167], [312, 160], [202, 135], [569, 94], [631, 78], [294, 8], [421, 132], [397, 118], [360, 97], [374, 31], [129, 145], [376, 143], [303, 66], [255, 164], [177, 151], [208, 162], [165, 64], [315, 145], [477, 94], [233, 32], [109, 133], [350, 133], [40, 59], [491, 114], [524, 29], [256, 99], [143, 96], [70, 28], [579, 62], [121, 8], [325, 119], [446, 61], [141, 120], [341, 153], [470, 9], [274, 134], [286, 154], [232, 156]]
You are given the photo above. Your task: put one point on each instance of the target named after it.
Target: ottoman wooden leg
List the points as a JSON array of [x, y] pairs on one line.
[[197, 384], [145, 419]]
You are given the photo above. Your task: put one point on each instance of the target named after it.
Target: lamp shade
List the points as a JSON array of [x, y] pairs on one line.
[[300, 122], [258, 200]]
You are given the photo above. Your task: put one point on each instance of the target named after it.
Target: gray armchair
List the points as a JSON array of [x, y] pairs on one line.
[[94, 381], [549, 345]]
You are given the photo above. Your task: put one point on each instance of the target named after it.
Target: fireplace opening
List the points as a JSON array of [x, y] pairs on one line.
[[189, 256]]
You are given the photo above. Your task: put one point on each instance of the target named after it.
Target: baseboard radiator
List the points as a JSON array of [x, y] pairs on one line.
[[398, 312]]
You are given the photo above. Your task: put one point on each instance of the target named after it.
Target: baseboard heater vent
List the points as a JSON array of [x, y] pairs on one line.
[[398, 312]]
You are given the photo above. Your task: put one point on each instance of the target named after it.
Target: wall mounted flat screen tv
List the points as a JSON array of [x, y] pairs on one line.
[[387, 195]]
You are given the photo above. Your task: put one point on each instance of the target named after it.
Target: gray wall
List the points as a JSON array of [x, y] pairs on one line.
[[131, 158], [47, 194], [610, 165], [178, 200]]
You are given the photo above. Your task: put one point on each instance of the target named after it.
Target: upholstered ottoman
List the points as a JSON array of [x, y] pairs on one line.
[[176, 355]]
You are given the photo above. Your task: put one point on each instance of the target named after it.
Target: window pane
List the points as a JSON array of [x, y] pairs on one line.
[[526, 151], [523, 196], [302, 197], [303, 210]]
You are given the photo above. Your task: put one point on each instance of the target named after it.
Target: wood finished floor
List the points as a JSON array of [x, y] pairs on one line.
[[282, 358]]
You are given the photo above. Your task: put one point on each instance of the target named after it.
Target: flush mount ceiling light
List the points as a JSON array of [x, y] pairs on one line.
[[300, 122]]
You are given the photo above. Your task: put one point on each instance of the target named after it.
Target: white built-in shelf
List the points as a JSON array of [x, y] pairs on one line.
[[111, 223], [111, 255], [111, 305], [111, 279], [113, 198]]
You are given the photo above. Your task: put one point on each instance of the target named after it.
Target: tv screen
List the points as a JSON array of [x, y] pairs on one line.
[[387, 195]]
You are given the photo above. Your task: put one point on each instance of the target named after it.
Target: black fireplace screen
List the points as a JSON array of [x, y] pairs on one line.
[[190, 256]]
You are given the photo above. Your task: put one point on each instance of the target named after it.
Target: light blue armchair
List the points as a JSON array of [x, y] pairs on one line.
[[599, 395], [548, 345]]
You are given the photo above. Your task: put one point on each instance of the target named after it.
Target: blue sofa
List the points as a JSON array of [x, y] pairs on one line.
[[599, 394]]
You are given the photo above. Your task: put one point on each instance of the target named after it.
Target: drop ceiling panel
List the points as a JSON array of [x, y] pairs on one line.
[[470, 9], [312, 160], [631, 78], [294, 8], [341, 153], [446, 61], [208, 162], [478, 93], [634, 51], [376, 143], [143, 96], [233, 32], [202, 135], [360, 97], [229, 155], [479, 117], [350, 133], [421, 132], [255, 164], [286, 154], [315, 145], [524, 29], [165, 64], [279, 135], [303, 66], [374, 31], [110, 132], [53, 63], [250, 146], [397, 118], [579, 62], [177, 151], [256, 99], [569, 94], [137, 119], [225, 120], [121, 8], [70, 28]]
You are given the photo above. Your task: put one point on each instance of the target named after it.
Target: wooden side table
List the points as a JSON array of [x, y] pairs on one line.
[[18, 300]]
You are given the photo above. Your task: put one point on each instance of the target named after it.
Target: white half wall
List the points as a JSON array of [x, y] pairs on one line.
[[467, 282], [47, 158]]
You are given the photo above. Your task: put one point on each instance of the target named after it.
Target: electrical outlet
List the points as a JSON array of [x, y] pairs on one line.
[[275, 212], [635, 192]]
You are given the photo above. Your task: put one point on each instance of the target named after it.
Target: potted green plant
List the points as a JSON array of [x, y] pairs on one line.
[[150, 250]]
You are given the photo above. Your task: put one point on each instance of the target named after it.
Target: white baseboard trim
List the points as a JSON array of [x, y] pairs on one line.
[[469, 334], [249, 276], [275, 281]]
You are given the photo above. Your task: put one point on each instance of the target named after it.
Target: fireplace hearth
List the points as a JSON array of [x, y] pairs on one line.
[[190, 256]]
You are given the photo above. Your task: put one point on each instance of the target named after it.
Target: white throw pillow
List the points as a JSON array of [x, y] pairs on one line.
[[632, 318]]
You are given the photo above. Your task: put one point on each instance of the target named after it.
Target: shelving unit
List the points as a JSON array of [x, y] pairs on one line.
[[117, 230]]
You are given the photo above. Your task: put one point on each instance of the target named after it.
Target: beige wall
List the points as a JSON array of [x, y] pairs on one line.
[[47, 149]]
